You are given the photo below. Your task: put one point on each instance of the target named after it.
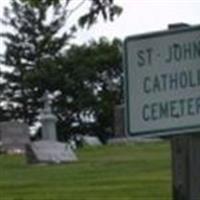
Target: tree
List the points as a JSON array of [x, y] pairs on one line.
[[90, 87], [87, 83], [80, 80], [32, 41], [106, 8]]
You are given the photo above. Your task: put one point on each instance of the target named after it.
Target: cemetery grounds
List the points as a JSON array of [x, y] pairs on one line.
[[114, 172]]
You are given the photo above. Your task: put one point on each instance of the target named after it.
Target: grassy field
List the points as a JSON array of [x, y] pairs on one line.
[[117, 172]]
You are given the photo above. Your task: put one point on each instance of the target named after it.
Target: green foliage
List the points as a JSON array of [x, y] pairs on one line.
[[85, 80], [106, 8], [31, 41], [87, 83], [125, 172], [37, 3], [93, 80]]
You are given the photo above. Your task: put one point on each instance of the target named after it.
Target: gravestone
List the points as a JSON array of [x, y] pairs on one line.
[[49, 150], [14, 136], [48, 120], [91, 141], [119, 126]]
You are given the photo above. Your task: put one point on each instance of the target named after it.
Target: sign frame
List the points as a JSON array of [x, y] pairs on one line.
[[155, 132]]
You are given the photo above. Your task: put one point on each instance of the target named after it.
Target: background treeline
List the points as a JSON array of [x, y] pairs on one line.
[[85, 81]]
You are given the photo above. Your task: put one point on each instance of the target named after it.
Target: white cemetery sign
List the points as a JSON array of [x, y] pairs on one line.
[[162, 75]]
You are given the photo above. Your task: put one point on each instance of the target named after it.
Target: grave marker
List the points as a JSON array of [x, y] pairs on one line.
[[49, 150], [14, 136]]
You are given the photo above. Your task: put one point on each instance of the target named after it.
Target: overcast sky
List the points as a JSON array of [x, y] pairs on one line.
[[139, 16]]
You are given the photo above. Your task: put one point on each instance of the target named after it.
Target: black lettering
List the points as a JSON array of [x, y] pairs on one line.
[[141, 59], [164, 110], [177, 52], [173, 109], [196, 50], [169, 57], [149, 55], [191, 83], [173, 81], [197, 105], [190, 110], [156, 84], [164, 81], [146, 85], [154, 111], [182, 102], [187, 51], [183, 79], [144, 112]]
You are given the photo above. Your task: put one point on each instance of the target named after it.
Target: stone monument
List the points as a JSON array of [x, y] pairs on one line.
[[48, 120], [119, 126], [49, 150], [14, 136], [91, 141]]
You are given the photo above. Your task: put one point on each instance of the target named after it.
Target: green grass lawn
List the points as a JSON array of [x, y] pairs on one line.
[[113, 172]]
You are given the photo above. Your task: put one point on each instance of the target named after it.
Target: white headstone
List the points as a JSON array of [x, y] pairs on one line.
[[48, 120], [48, 150], [91, 141]]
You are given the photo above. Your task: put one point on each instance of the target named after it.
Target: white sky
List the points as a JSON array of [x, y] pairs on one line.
[[138, 16], [141, 16]]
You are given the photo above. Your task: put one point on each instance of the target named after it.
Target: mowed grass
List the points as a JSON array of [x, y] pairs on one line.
[[113, 172]]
